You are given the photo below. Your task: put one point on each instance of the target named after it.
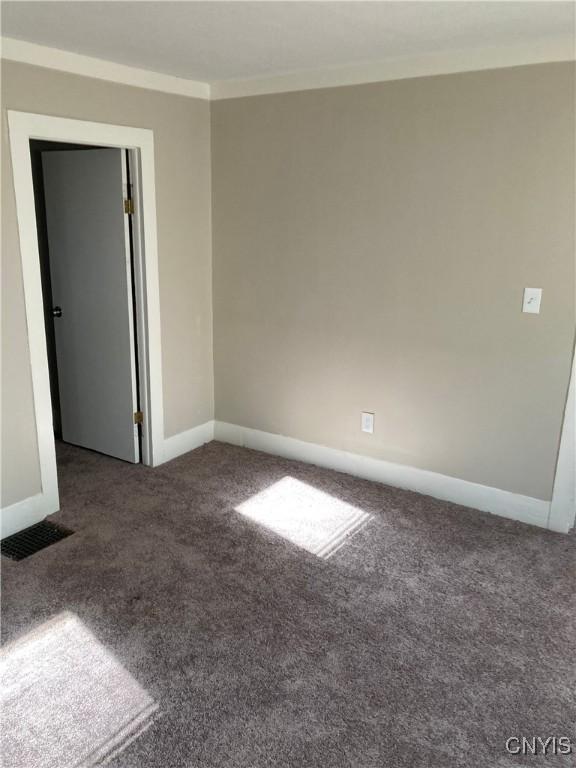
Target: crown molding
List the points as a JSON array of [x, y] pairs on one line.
[[392, 69], [77, 64], [400, 69]]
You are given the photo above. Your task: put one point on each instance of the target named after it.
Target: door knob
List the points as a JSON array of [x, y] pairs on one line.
[[56, 311]]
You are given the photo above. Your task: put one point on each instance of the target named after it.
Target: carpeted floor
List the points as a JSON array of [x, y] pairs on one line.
[[235, 609]]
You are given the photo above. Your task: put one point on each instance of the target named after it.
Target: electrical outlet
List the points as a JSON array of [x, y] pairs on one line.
[[367, 422], [532, 299]]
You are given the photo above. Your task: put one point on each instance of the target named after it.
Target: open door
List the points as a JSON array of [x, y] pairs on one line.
[[91, 276]]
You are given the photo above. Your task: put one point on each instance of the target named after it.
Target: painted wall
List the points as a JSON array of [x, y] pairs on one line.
[[371, 246], [182, 153]]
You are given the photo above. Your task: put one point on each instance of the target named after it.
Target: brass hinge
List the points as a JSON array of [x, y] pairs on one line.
[[128, 205], [138, 417]]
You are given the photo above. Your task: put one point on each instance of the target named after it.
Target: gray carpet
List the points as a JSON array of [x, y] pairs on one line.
[[235, 609]]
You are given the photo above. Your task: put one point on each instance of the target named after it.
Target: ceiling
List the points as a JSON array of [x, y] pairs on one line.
[[221, 41]]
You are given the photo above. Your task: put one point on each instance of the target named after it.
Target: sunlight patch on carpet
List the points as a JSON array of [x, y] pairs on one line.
[[310, 518], [66, 701]]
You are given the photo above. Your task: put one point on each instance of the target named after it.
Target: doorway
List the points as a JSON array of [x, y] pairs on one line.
[[84, 206], [138, 143]]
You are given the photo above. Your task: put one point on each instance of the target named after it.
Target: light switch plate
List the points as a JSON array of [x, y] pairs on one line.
[[532, 299], [367, 422]]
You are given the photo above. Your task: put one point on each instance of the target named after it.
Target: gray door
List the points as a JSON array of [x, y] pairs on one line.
[[90, 271]]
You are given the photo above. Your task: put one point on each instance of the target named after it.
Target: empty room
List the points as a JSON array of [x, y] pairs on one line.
[[288, 439]]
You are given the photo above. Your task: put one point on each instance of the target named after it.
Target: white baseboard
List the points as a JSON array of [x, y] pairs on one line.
[[187, 441], [511, 505], [499, 502], [25, 513]]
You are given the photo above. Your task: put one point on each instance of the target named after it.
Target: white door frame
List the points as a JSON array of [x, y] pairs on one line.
[[563, 505], [23, 127]]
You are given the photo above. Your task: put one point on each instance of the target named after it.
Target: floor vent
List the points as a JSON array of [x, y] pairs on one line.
[[33, 539]]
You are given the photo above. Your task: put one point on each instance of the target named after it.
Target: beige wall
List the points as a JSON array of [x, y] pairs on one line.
[[371, 246], [182, 152]]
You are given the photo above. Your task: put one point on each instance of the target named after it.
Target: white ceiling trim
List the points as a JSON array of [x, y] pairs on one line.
[[392, 69], [77, 64], [400, 69]]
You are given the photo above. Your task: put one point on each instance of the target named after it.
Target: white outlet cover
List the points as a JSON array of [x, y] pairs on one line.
[[532, 299], [367, 422]]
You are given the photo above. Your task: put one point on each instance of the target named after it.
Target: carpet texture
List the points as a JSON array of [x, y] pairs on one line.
[[236, 609]]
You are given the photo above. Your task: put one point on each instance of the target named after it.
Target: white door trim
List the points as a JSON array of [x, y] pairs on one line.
[[563, 505], [24, 126]]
